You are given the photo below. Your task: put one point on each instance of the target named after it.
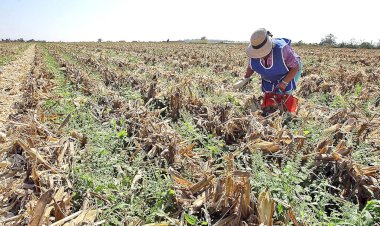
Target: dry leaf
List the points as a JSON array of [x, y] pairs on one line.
[[178, 179], [332, 129], [265, 208], [39, 209], [4, 164], [265, 146], [35, 154]]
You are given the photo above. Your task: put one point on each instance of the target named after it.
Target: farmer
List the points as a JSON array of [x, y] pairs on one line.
[[279, 67]]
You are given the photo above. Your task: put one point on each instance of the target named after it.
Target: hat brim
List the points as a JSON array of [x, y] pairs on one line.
[[262, 52]]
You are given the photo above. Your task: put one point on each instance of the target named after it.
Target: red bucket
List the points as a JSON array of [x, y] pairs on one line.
[[289, 102]]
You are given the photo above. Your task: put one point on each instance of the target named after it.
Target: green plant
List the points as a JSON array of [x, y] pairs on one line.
[[296, 185], [193, 220], [370, 215], [339, 102], [358, 89], [129, 185], [199, 136], [105, 169]]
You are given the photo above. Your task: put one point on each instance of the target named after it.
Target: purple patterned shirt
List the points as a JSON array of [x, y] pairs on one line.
[[291, 58]]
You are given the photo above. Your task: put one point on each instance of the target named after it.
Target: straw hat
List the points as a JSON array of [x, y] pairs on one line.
[[261, 44]]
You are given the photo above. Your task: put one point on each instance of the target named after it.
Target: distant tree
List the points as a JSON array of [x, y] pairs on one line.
[[203, 38], [366, 45], [100, 40], [343, 44], [329, 39], [353, 43], [300, 42]]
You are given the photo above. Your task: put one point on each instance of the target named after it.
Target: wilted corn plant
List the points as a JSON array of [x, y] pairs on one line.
[[151, 134]]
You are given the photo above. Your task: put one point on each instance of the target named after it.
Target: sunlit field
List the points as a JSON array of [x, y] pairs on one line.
[[143, 133]]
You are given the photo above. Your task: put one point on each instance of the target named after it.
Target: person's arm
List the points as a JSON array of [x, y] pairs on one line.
[[291, 61], [248, 72], [288, 78], [247, 77], [291, 74]]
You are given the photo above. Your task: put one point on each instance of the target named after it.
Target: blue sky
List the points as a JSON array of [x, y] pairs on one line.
[[157, 20]]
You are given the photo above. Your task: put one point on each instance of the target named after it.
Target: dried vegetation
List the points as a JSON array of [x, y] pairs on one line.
[[137, 133]]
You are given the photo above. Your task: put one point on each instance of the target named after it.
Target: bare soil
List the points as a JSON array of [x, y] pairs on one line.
[[11, 77]]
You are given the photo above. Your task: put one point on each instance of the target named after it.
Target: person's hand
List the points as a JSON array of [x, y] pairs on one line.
[[239, 84], [282, 86]]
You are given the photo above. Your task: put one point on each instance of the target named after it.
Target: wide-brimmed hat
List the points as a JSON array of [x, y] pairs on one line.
[[261, 44]]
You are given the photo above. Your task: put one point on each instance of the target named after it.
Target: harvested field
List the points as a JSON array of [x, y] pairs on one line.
[[155, 134]]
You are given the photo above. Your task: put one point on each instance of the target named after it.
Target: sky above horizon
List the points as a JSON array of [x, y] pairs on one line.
[[154, 20]]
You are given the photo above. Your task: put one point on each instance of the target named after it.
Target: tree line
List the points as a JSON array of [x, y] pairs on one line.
[[330, 40], [20, 40]]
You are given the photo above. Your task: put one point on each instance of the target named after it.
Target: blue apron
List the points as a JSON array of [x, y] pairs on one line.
[[274, 74]]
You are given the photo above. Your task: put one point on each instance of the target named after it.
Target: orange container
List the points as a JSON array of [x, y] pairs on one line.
[[289, 102]]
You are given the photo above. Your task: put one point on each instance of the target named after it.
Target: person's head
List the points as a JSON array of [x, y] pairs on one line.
[[261, 44]]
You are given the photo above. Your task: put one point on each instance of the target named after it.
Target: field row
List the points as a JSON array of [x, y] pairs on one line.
[[153, 132]]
